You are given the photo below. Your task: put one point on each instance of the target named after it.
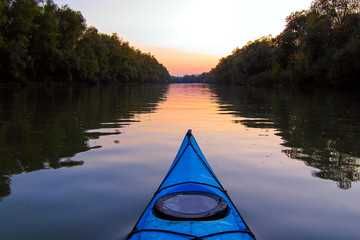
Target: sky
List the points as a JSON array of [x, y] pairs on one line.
[[188, 36]]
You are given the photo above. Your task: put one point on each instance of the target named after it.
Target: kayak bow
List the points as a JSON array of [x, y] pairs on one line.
[[191, 203]]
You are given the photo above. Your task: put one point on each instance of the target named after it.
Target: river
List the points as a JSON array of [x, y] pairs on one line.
[[83, 163]]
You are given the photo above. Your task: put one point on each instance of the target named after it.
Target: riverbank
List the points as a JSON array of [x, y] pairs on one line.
[[46, 43], [319, 48]]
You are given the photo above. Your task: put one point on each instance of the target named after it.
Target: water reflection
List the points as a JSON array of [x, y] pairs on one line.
[[45, 128], [126, 139], [319, 129]]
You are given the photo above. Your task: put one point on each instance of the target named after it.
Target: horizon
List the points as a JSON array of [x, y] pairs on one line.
[[191, 40]]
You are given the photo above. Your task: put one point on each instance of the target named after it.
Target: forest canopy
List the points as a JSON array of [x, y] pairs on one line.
[[319, 47], [44, 43]]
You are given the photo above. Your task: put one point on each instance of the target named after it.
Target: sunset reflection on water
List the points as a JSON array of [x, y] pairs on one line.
[[126, 139]]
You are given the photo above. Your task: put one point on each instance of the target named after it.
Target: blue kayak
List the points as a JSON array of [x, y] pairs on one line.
[[191, 203]]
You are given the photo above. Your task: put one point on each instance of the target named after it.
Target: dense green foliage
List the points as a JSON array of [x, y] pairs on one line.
[[42, 42], [318, 47]]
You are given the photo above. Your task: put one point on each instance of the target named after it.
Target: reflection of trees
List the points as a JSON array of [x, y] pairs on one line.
[[4, 186], [340, 167], [45, 128], [322, 130]]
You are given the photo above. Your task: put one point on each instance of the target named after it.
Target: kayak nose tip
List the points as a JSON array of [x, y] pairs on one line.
[[189, 132]]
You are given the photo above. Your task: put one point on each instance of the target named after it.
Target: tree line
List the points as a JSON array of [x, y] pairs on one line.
[[319, 47], [193, 78], [41, 42]]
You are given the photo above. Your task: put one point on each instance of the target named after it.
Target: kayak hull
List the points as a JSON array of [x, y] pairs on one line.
[[190, 172]]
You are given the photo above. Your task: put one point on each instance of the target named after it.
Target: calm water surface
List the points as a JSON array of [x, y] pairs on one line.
[[82, 164]]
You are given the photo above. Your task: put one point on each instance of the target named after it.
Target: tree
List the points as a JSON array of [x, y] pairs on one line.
[[44, 42], [3, 20], [319, 47], [338, 10], [72, 26], [40, 41], [247, 64], [21, 15]]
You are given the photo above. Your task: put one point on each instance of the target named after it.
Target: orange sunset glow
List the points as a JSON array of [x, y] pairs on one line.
[[181, 62], [188, 36]]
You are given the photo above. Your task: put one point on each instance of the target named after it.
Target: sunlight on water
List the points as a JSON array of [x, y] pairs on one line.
[[82, 165]]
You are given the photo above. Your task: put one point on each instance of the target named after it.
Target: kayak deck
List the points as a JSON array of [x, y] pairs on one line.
[[190, 172]]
